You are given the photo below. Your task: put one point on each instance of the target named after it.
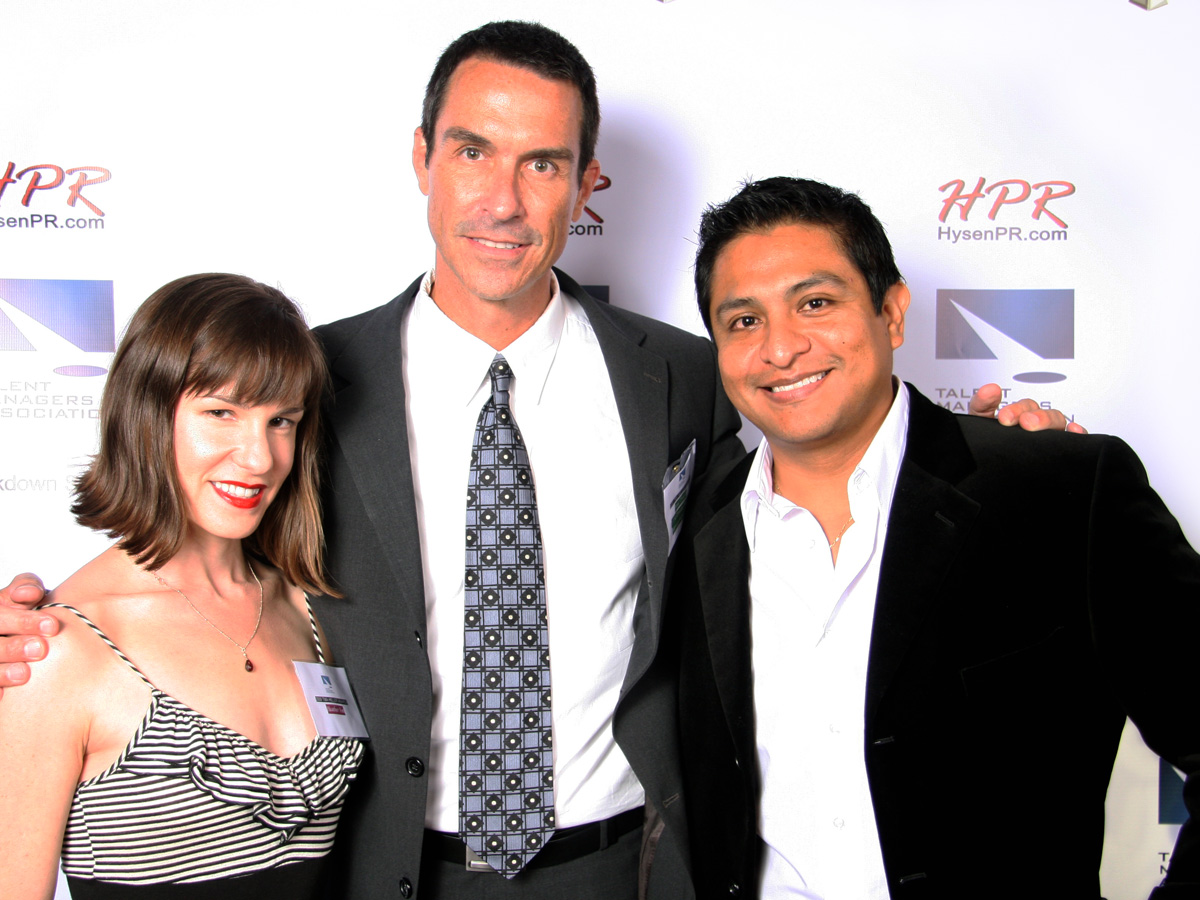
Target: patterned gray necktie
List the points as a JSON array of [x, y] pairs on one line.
[[506, 763]]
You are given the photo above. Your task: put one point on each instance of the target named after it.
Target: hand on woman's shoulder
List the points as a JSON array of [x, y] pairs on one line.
[[73, 669], [75, 678], [49, 731]]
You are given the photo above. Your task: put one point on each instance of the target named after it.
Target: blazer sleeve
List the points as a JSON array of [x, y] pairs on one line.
[[1144, 581]]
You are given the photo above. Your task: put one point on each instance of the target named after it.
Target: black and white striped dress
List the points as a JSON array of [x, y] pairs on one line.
[[193, 809]]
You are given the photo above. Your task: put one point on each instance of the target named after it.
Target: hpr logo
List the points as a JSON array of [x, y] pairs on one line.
[[72, 321], [1009, 192], [1021, 327], [47, 177], [603, 183]]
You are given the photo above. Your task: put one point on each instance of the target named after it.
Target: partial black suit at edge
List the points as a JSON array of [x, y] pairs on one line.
[[667, 393], [1033, 591]]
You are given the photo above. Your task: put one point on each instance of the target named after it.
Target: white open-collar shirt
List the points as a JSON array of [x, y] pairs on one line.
[[811, 635], [562, 400]]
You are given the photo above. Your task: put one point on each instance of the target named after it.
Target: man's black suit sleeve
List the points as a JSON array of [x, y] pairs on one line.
[[1145, 584]]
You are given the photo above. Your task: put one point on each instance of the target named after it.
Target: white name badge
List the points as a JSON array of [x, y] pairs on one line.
[[676, 482], [334, 710]]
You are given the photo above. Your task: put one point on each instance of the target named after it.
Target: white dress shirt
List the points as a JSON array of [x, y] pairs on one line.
[[562, 400], [811, 634]]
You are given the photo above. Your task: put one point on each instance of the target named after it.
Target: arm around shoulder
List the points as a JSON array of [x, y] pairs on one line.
[[24, 632]]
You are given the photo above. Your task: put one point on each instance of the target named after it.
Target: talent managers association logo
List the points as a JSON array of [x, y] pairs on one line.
[[71, 322], [1022, 328]]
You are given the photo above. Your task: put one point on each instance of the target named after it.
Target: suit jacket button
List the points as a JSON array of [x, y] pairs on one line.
[[416, 769], [735, 890], [406, 889]]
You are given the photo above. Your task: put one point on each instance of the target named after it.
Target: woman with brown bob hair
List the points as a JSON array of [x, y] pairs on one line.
[[169, 746], [198, 334]]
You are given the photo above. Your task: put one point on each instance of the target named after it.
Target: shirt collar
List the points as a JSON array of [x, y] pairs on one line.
[[877, 470], [880, 465], [461, 360]]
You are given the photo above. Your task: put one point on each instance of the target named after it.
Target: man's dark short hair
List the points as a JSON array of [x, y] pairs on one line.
[[525, 45], [763, 205], [195, 335]]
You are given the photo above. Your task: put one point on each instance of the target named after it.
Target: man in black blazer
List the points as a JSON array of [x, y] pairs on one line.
[[979, 717]]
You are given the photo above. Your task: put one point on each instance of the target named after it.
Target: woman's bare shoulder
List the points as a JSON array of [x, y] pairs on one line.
[[109, 594], [108, 589]]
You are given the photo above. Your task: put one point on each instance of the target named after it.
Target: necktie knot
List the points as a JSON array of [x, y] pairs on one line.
[[501, 376]]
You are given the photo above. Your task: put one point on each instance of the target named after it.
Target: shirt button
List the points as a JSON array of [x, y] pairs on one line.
[[812, 544], [839, 822]]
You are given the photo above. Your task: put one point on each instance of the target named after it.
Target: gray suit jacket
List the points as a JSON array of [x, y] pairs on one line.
[[668, 393]]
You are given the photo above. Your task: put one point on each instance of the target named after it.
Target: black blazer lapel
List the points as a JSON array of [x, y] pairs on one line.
[[929, 522], [369, 424]]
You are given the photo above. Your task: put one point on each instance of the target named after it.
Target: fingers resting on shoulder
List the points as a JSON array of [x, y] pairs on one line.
[[1026, 413], [23, 632]]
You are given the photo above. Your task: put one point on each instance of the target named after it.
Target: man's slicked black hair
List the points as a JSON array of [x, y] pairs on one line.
[[525, 45], [762, 205]]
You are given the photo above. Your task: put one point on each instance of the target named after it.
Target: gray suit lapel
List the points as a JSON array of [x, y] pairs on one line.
[[371, 431], [641, 387]]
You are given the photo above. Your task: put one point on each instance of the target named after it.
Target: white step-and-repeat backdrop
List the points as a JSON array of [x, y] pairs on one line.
[[1031, 160]]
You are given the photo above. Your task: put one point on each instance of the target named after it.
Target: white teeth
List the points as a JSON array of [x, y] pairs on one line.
[[811, 379], [497, 244], [235, 490]]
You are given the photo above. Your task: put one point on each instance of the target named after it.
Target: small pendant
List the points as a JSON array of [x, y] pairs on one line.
[[249, 666]]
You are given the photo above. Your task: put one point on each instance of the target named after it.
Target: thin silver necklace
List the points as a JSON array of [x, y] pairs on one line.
[[249, 665], [845, 527]]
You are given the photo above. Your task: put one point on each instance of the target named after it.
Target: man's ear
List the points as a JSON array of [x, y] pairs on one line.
[[590, 175], [895, 305], [420, 149]]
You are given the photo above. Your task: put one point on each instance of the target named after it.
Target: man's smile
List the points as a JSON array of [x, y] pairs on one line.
[[795, 385], [498, 245]]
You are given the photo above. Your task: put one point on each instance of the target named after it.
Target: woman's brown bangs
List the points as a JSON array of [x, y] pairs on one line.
[[268, 362]]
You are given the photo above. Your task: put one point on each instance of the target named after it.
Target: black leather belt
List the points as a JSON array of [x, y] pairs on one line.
[[566, 844]]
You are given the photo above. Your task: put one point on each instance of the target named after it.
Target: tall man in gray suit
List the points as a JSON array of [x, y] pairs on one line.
[[610, 405]]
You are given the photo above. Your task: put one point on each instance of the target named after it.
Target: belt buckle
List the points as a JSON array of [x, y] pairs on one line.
[[476, 863]]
